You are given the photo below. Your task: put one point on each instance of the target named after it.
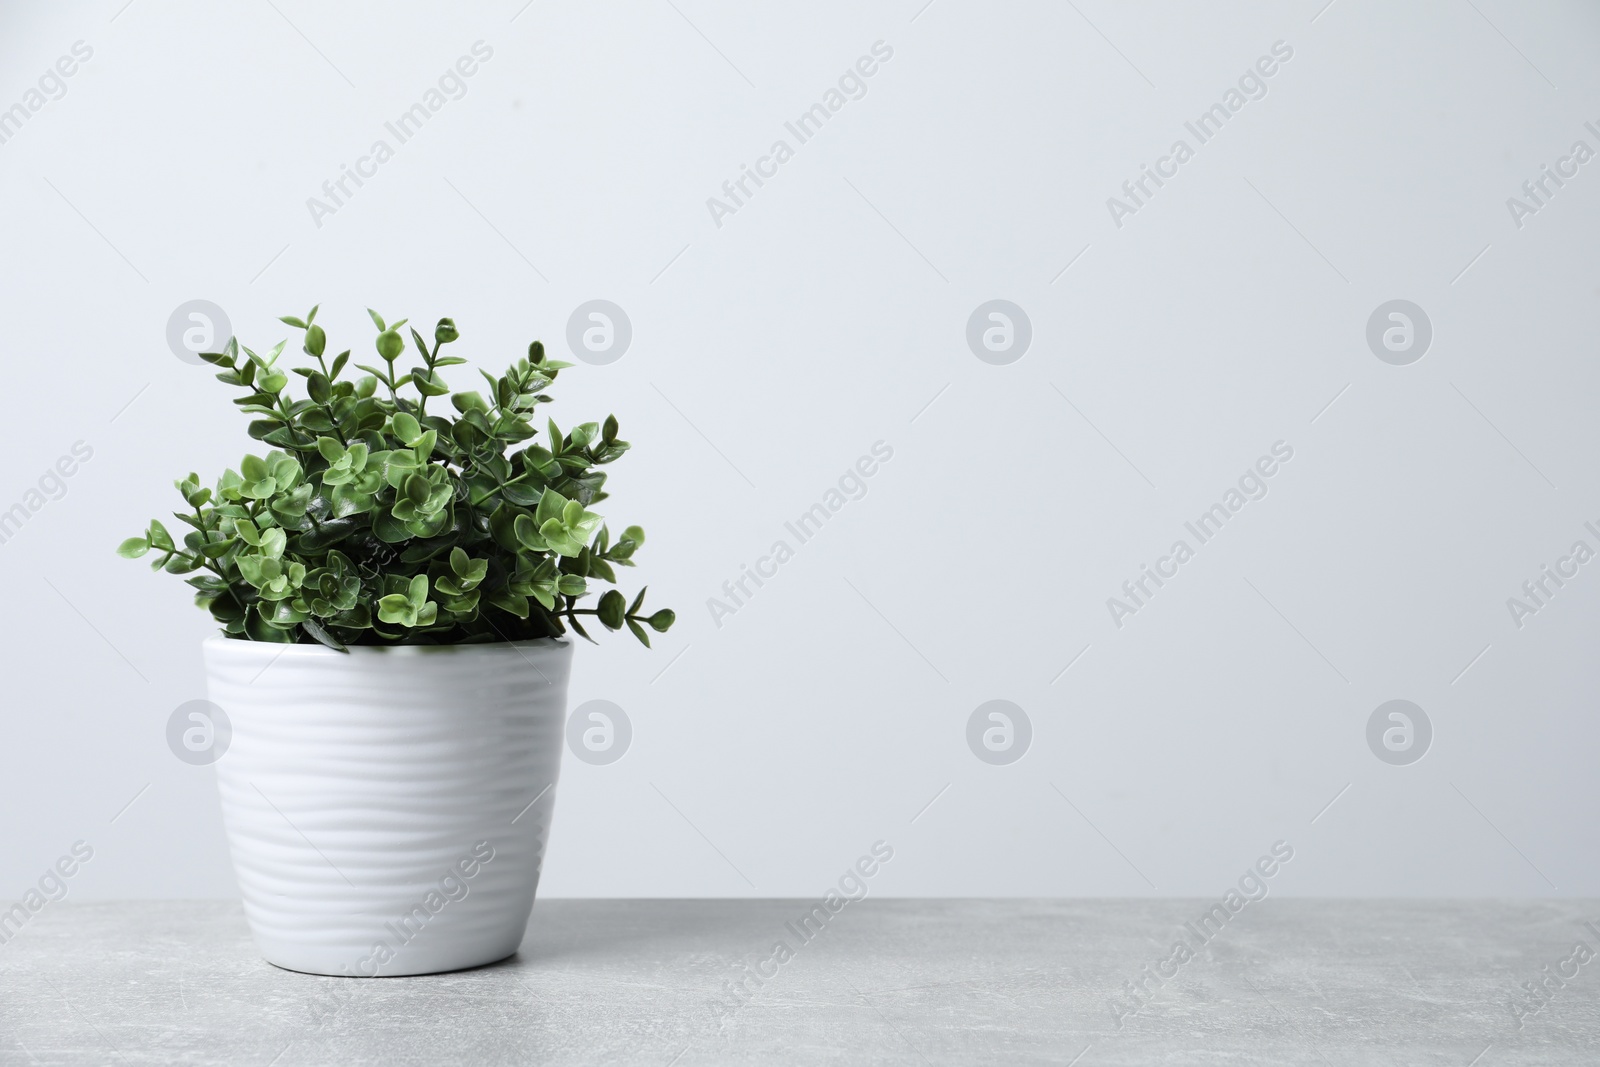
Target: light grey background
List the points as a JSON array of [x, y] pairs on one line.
[[828, 313]]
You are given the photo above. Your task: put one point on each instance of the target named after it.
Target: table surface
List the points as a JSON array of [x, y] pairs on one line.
[[915, 982]]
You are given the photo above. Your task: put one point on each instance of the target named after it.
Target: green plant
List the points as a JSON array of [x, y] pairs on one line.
[[375, 522]]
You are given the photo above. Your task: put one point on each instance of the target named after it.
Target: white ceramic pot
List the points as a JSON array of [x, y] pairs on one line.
[[387, 809]]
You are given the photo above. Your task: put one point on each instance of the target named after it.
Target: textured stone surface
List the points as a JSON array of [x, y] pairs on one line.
[[888, 981]]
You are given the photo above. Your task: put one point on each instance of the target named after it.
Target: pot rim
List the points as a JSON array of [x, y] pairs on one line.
[[275, 649]]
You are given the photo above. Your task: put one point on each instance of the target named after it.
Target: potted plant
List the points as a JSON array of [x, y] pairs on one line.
[[394, 587]]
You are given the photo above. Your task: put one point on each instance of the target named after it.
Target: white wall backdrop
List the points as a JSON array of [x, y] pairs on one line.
[[1174, 341]]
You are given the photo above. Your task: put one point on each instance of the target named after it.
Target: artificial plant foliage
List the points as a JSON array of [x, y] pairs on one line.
[[373, 521]]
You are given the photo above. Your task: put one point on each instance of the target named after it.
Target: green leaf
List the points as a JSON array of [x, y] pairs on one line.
[[557, 537], [416, 489], [159, 537], [545, 593], [133, 547], [612, 610], [521, 493], [662, 620], [181, 565], [318, 633], [395, 608], [318, 387], [516, 605], [259, 629], [638, 631], [541, 460], [502, 527], [527, 534], [326, 535], [551, 506], [389, 529], [577, 628], [218, 548], [377, 319], [273, 542], [428, 383], [406, 427]]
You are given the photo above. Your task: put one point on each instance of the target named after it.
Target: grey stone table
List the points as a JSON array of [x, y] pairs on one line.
[[886, 981]]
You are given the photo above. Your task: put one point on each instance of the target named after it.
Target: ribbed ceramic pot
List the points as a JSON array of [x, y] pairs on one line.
[[387, 808]]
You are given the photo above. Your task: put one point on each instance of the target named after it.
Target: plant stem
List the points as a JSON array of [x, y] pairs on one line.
[[422, 408]]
